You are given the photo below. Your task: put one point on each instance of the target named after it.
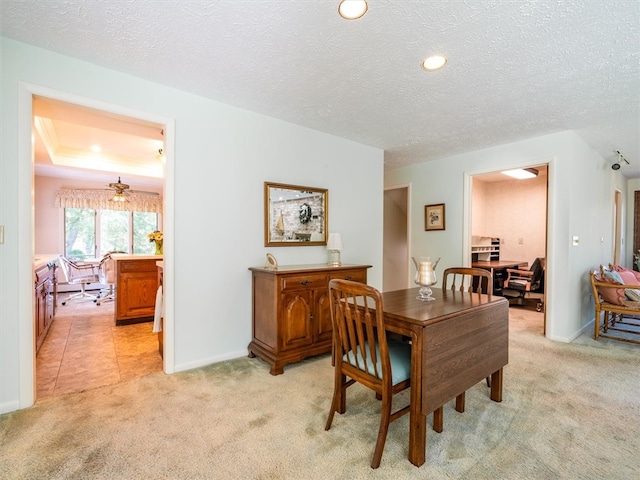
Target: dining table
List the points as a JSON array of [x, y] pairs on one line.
[[457, 340]]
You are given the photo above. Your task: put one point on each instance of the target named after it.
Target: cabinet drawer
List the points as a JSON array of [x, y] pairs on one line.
[[135, 266], [353, 275], [303, 282]]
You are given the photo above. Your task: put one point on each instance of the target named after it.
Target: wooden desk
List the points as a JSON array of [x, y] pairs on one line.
[[498, 269], [458, 340]]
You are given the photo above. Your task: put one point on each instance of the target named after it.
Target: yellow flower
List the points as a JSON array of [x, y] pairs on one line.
[[155, 236]]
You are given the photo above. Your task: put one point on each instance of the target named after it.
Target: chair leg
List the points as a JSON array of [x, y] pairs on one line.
[[438, 420], [81, 294], [336, 399], [385, 418], [339, 400], [108, 296]]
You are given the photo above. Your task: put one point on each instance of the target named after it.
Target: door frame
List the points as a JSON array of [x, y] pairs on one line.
[[26, 227], [466, 220], [617, 226]]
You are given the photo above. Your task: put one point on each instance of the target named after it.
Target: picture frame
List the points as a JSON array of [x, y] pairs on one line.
[[295, 215], [434, 217], [272, 263]]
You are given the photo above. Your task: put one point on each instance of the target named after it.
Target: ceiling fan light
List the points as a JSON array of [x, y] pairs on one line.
[[352, 9]]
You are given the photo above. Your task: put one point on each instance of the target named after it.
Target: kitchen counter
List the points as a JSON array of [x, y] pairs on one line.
[[45, 274], [42, 259], [136, 285], [128, 256]]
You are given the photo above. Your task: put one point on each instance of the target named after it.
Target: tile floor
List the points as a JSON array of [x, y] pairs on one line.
[[84, 349]]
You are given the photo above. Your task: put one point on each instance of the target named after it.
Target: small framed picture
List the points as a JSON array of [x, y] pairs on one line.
[[434, 217]]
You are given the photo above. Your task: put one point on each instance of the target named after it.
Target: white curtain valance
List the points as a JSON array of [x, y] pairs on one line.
[[103, 199]]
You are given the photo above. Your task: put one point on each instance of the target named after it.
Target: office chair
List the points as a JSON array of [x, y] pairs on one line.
[[107, 276], [522, 284], [79, 274]]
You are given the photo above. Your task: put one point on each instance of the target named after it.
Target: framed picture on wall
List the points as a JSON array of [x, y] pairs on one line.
[[434, 218]]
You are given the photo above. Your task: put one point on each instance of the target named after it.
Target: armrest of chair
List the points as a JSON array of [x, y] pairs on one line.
[[88, 267], [512, 273]]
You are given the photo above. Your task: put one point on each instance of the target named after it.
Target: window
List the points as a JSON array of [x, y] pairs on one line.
[[91, 233]]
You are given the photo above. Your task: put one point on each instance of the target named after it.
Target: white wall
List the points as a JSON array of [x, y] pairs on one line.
[[581, 193], [219, 153]]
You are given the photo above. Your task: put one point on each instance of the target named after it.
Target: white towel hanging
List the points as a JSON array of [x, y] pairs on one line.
[[159, 312]]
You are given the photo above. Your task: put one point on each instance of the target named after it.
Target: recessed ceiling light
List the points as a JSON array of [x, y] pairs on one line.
[[96, 148], [521, 173], [434, 62], [352, 9]]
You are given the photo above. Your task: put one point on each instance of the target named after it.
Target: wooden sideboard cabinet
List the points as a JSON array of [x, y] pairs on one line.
[[45, 300], [291, 314], [136, 288]]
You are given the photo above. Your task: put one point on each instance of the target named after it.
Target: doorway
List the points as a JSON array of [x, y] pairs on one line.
[[26, 344], [395, 263], [510, 216], [617, 227]]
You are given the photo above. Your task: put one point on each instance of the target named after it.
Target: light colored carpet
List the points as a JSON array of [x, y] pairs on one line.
[[569, 412]]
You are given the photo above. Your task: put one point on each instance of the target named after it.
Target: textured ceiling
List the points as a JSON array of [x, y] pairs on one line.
[[516, 69]]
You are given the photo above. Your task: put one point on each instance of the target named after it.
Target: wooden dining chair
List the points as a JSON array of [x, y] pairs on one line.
[[363, 353], [472, 280], [466, 279]]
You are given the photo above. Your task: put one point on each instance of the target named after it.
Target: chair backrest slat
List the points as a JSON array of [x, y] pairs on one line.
[[479, 280], [361, 338]]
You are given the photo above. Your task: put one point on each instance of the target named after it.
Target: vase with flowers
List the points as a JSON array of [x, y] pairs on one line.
[[156, 237]]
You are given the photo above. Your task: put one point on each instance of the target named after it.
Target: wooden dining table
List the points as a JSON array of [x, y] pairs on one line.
[[457, 340]]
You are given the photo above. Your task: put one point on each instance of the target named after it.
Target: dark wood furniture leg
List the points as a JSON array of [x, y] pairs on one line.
[[496, 386]]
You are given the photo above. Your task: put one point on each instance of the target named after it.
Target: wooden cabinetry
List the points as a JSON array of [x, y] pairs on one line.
[[135, 288], [291, 314], [45, 300]]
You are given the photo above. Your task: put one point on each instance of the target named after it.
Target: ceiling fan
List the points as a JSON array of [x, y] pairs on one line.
[[122, 190]]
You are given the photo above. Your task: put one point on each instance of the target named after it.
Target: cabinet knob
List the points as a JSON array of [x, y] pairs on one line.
[[306, 282], [348, 277]]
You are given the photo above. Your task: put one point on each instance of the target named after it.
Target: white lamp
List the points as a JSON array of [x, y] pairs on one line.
[[334, 245]]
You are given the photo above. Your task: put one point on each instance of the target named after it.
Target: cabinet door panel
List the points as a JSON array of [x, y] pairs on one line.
[[136, 293], [323, 328], [296, 320]]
